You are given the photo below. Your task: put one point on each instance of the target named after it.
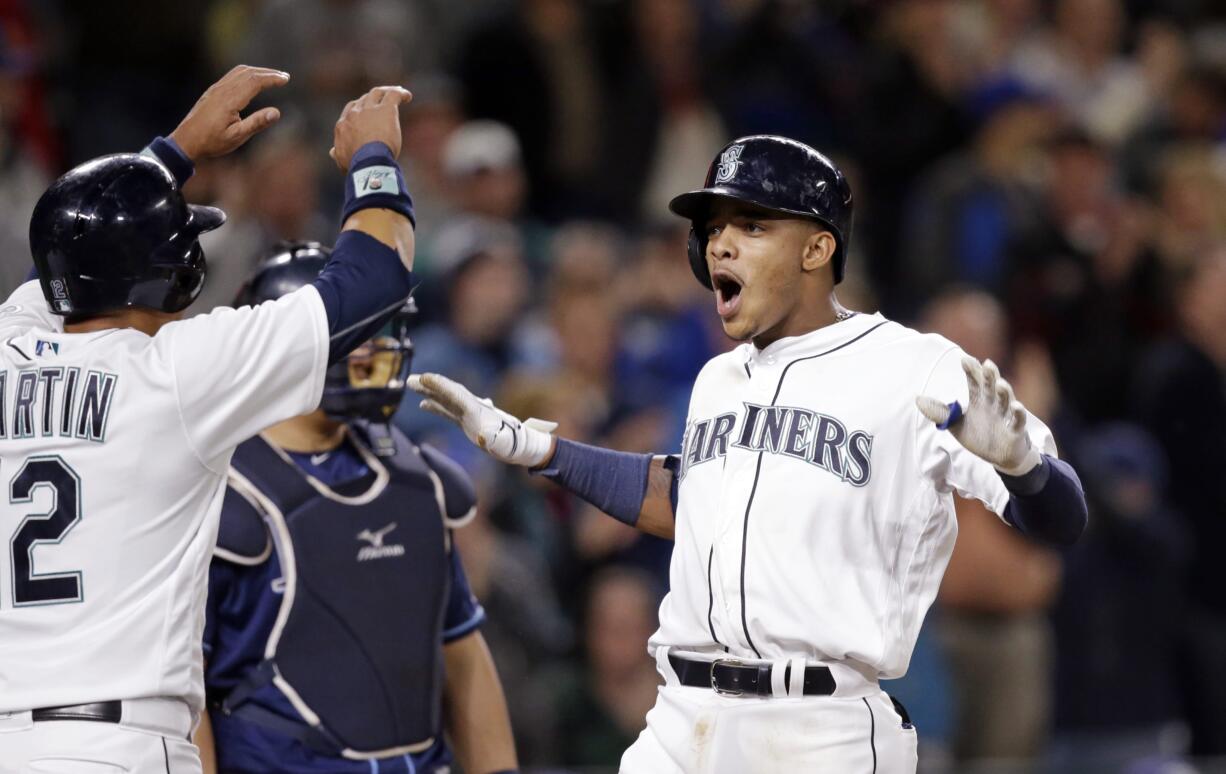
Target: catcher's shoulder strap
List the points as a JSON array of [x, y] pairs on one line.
[[255, 470], [459, 493], [242, 537]]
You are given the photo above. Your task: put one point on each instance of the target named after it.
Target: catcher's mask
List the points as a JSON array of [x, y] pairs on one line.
[[370, 383]]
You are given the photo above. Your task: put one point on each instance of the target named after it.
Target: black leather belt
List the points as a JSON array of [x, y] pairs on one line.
[[99, 712], [730, 677]]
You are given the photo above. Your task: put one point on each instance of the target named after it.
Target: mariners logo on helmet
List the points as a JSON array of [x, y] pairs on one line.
[[729, 162]]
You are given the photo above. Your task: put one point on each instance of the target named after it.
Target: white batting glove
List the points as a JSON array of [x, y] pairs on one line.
[[501, 435], [993, 426]]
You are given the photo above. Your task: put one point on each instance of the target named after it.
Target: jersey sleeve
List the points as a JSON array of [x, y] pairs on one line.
[[238, 371], [464, 613], [27, 308], [946, 462]]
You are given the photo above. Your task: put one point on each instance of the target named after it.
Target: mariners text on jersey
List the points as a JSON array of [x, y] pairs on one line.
[[818, 439], [54, 400]]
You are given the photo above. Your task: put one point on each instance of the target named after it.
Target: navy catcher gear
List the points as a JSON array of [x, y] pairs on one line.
[[115, 233], [368, 384], [778, 174]]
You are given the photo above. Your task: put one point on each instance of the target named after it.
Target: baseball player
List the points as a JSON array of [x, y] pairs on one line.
[[118, 419], [336, 595], [811, 502]]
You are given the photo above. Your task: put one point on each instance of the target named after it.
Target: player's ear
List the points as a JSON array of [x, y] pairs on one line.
[[818, 250]]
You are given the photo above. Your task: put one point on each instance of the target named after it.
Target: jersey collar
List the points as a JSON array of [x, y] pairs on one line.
[[827, 336]]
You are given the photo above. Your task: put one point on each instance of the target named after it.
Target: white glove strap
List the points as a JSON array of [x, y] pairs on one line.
[[512, 441]]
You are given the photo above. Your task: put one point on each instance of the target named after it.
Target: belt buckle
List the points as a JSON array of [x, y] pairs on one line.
[[726, 691]]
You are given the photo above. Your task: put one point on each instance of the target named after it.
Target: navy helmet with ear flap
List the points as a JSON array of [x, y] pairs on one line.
[[284, 268], [777, 174], [116, 233], [370, 382]]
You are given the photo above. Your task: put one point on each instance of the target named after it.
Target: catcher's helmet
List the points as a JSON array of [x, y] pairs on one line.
[[369, 384], [116, 232], [775, 173]]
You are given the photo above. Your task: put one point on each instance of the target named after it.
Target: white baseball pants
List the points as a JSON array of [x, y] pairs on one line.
[[153, 743], [697, 731]]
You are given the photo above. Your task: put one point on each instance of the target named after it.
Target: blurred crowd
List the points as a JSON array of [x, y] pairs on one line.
[[1042, 181]]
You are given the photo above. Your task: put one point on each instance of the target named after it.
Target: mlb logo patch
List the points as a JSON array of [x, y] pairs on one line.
[[51, 347], [377, 179]]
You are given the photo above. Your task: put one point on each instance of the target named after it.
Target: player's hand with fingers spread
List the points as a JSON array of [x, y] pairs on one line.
[[215, 125], [993, 425], [373, 117], [504, 437]]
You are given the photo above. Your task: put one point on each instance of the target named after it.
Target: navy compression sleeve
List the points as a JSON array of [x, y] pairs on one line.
[[613, 481], [1048, 503], [362, 286]]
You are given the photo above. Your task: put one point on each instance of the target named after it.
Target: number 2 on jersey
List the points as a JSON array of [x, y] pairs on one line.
[[29, 587]]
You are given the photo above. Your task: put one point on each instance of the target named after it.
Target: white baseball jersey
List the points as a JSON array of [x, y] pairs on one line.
[[114, 448], [815, 515]]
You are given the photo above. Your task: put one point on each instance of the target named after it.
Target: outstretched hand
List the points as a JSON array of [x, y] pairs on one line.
[[372, 117], [503, 436], [215, 125], [992, 426]]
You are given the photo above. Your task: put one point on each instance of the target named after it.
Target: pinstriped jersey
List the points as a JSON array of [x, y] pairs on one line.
[[114, 447], [815, 511]]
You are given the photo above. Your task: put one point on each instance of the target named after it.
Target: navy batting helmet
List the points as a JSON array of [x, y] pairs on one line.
[[778, 174], [116, 232], [369, 384]]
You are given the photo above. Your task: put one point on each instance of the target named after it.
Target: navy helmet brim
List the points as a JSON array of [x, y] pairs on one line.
[[695, 205], [204, 218]]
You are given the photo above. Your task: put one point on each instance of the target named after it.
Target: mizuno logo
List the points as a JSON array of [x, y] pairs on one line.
[[376, 549], [376, 538]]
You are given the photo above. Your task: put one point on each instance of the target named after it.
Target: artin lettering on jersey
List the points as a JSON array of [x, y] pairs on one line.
[[818, 439], [53, 400]]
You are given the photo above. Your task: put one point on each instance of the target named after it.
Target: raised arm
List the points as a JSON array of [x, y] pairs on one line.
[[215, 125], [367, 279], [637, 489], [366, 145], [238, 371]]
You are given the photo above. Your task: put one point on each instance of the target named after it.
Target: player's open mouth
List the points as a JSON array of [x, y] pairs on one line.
[[727, 293]]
